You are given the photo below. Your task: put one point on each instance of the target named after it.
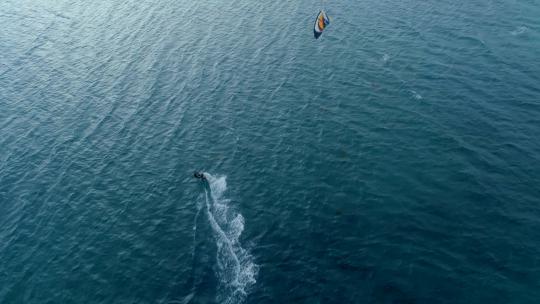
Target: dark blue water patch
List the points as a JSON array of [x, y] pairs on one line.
[[394, 160]]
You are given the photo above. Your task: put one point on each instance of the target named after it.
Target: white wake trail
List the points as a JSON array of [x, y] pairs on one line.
[[235, 268]]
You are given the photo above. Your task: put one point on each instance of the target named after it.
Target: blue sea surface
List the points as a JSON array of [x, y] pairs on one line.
[[396, 159]]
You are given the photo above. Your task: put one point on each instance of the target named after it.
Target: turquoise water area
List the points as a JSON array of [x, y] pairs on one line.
[[394, 160]]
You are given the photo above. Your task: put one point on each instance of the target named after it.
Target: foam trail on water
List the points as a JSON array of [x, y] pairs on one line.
[[235, 268]]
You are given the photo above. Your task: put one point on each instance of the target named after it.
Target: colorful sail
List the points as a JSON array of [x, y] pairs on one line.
[[320, 24]]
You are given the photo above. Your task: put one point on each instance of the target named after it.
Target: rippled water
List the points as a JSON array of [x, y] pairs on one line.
[[394, 160]]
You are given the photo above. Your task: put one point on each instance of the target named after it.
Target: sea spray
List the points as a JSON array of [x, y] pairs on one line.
[[235, 268]]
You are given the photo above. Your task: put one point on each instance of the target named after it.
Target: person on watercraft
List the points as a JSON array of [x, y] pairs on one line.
[[199, 175]]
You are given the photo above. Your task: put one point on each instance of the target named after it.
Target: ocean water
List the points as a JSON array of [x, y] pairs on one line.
[[394, 160]]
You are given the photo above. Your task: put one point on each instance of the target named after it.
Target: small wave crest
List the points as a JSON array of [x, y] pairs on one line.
[[415, 95], [519, 31], [235, 269]]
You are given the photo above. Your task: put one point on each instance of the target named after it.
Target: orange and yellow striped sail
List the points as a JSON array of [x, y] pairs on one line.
[[320, 24]]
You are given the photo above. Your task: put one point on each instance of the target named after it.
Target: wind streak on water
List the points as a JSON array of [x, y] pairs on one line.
[[235, 268]]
